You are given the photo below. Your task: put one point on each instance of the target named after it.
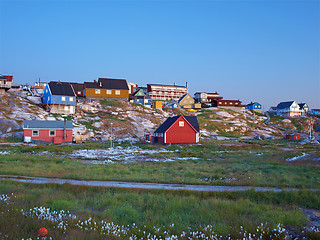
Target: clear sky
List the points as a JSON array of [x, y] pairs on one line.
[[265, 51]]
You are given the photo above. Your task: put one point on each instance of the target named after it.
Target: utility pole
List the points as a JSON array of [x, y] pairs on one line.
[[111, 135]]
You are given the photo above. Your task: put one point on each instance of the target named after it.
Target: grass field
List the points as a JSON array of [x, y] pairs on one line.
[[218, 163], [110, 213], [155, 212]]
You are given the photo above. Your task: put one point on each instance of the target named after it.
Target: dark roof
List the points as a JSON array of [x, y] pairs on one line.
[[76, 86], [283, 105], [182, 97], [58, 88], [91, 85], [41, 124], [318, 129], [3, 77], [171, 120], [253, 103], [108, 83], [301, 105]]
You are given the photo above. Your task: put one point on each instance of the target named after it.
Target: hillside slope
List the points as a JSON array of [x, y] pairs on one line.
[[131, 121]]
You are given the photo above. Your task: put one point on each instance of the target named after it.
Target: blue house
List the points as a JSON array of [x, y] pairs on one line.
[[254, 106], [59, 98], [140, 97], [315, 111]]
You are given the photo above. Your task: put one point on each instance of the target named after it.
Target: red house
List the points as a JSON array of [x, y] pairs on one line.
[[178, 129], [56, 132]]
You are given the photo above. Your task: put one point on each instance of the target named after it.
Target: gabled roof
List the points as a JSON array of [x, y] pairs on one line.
[[58, 88], [284, 105], [302, 105], [2, 77], [171, 120], [139, 91], [41, 124], [76, 86], [253, 103], [108, 83]]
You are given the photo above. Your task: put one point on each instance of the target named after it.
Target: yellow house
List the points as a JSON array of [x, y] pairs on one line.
[[114, 89], [186, 101]]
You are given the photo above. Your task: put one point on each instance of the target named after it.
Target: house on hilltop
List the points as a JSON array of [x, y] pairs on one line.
[[254, 106], [5, 83], [304, 108], [288, 109], [186, 101], [166, 92], [59, 98], [140, 97], [113, 89], [56, 132], [178, 129]]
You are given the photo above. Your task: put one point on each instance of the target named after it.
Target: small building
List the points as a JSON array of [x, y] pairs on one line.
[[140, 97], [294, 136], [178, 129], [59, 98], [288, 109], [157, 105], [226, 103], [272, 110], [254, 106], [132, 87], [304, 108], [315, 111], [5, 83], [56, 132], [317, 133], [203, 97], [186, 101], [113, 89], [166, 92]]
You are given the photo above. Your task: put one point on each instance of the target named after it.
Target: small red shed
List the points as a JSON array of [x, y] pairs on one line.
[[178, 129], [56, 132]]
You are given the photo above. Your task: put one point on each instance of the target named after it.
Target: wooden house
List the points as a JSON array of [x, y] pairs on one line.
[[59, 98], [186, 101], [226, 103], [5, 83], [315, 111], [254, 106], [56, 132], [288, 109], [178, 129], [203, 97], [113, 89], [140, 97], [272, 110], [304, 108]]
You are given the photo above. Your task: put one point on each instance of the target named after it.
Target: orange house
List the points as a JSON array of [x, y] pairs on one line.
[[114, 89]]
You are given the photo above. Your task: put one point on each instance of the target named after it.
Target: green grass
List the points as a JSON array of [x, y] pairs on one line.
[[226, 212], [250, 162]]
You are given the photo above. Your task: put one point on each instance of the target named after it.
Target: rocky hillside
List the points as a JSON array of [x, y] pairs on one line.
[[132, 121]]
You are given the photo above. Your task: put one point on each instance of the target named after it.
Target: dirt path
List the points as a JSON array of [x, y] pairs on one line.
[[92, 183]]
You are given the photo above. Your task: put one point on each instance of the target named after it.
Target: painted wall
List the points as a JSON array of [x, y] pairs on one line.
[[44, 135], [90, 92], [179, 134]]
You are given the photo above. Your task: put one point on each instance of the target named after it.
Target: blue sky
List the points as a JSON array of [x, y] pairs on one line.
[[265, 51]]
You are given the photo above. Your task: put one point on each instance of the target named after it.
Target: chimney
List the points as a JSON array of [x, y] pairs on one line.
[[100, 84], [65, 129], [174, 84], [187, 84]]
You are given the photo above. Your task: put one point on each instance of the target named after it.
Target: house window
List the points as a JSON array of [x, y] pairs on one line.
[[79, 92], [66, 107], [117, 92], [63, 99], [181, 123], [109, 91], [52, 133], [97, 91], [71, 99], [35, 133]]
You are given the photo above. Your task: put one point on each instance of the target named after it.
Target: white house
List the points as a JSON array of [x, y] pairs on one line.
[[288, 109]]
